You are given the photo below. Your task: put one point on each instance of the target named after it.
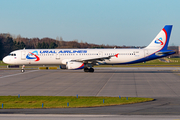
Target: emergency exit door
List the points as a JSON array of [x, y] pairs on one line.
[[57, 56]]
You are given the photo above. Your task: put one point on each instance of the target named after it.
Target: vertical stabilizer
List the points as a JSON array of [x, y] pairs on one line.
[[161, 41]]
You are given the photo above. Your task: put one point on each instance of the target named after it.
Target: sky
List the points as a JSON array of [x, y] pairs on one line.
[[112, 22]]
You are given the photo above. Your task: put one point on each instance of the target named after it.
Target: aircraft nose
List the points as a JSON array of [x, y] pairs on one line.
[[6, 60]]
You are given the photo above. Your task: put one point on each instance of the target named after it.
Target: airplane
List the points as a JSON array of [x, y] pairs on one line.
[[86, 59]]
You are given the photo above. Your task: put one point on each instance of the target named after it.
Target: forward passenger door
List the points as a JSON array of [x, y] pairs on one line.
[[23, 55]]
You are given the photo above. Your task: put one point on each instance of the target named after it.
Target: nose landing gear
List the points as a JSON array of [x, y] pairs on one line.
[[23, 70]]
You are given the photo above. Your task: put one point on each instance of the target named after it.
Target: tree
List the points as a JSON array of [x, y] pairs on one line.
[[1, 49], [18, 38], [43, 45], [22, 45], [57, 38], [39, 46], [6, 46], [53, 45]]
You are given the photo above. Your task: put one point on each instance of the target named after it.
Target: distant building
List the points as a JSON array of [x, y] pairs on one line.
[[176, 49]]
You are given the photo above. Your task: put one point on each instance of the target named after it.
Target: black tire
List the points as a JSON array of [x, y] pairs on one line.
[[86, 70], [91, 70], [22, 70]]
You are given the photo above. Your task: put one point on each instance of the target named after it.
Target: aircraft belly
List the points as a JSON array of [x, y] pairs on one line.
[[122, 59]]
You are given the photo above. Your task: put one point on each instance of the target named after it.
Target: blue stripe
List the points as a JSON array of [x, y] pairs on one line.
[[148, 58], [168, 29]]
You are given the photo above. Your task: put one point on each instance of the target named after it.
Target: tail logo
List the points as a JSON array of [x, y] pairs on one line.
[[159, 41], [33, 55]]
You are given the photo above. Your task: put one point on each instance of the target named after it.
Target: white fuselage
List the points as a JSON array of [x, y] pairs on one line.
[[87, 58], [61, 56]]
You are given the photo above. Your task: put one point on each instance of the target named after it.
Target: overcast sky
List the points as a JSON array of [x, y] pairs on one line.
[[113, 22]]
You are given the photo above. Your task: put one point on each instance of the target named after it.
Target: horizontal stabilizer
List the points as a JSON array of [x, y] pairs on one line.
[[165, 52]]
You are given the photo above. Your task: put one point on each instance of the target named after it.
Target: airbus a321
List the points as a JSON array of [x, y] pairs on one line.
[[87, 58]]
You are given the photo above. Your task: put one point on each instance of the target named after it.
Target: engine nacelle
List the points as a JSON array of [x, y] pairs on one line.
[[62, 66], [74, 65]]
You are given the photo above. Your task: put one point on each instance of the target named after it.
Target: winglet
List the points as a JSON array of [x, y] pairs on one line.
[[116, 55]]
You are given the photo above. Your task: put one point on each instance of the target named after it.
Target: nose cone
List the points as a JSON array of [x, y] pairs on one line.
[[9, 60], [5, 60]]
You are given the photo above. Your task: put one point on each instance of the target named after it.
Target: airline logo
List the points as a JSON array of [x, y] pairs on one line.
[[73, 51], [159, 41], [63, 51], [33, 55], [47, 52]]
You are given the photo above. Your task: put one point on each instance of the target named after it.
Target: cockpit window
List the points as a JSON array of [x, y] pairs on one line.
[[12, 54]]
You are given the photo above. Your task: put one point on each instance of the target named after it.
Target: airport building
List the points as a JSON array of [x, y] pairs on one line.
[[176, 49]]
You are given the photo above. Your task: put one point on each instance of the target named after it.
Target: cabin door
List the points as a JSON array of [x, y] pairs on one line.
[[23, 55]]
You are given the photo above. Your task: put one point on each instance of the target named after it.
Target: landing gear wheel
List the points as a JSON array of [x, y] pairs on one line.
[[86, 70], [22, 70], [91, 70]]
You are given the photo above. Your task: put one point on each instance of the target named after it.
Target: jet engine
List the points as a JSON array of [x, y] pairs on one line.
[[74, 65]]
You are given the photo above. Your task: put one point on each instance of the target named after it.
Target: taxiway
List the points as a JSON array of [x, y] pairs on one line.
[[162, 84]]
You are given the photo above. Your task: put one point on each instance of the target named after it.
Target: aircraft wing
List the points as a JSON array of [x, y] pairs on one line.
[[95, 59]]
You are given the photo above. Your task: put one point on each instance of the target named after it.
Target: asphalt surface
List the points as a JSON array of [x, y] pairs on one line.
[[85, 117], [162, 84]]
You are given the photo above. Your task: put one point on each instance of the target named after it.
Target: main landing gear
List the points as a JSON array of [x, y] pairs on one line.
[[23, 70], [88, 69]]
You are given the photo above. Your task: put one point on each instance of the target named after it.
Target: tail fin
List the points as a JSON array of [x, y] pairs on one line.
[[161, 41]]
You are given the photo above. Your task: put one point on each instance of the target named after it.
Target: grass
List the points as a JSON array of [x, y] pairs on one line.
[[153, 63], [61, 101], [158, 62], [2, 63]]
